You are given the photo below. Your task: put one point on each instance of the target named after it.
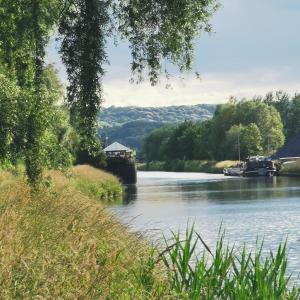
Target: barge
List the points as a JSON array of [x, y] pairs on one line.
[[254, 166], [259, 166], [120, 161]]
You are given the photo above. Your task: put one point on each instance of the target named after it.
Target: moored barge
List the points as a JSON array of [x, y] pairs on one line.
[[254, 166], [121, 162], [259, 166]]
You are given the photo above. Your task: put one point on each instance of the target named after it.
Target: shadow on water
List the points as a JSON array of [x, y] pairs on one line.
[[130, 194]]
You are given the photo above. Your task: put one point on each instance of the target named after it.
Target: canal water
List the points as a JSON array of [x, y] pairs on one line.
[[247, 208]]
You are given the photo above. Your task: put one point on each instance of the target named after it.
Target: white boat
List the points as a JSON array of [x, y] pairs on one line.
[[234, 171]]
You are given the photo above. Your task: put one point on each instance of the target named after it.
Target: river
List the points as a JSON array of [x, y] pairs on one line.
[[247, 208]]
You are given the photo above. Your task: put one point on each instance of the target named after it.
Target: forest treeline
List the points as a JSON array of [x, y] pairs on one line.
[[129, 125], [259, 126], [117, 116]]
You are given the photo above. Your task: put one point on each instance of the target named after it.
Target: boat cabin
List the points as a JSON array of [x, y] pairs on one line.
[[116, 150], [259, 166], [120, 162]]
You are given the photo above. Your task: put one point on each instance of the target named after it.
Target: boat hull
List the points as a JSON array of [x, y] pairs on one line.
[[124, 169], [259, 172], [233, 172]]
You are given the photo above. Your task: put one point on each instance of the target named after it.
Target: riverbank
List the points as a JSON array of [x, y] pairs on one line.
[[291, 169], [203, 166], [62, 243]]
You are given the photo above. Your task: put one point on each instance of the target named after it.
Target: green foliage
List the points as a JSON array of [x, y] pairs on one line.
[[60, 141], [289, 109], [130, 125], [57, 143], [265, 117], [157, 31], [224, 274], [154, 145], [9, 94], [252, 125], [293, 117], [84, 32], [247, 138], [25, 28], [268, 121], [162, 30], [90, 152], [182, 142]]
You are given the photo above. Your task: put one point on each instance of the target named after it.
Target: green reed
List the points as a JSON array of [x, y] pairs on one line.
[[226, 273]]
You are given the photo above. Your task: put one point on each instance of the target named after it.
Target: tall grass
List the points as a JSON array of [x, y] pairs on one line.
[[59, 243], [226, 274]]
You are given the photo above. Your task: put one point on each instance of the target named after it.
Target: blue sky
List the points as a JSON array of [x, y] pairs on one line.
[[254, 49]]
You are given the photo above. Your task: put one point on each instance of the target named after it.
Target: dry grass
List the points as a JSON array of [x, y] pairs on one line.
[[292, 169], [92, 182], [226, 164], [205, 166], [61, 244], [91, 173]]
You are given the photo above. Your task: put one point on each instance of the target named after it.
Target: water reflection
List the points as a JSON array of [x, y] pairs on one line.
[[130, 194], [242, 189], [247, 207]]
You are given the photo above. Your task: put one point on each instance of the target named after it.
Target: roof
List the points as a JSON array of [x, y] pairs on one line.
[[115, 147]]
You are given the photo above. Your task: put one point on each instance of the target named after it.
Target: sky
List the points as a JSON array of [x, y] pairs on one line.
[[254, 49]]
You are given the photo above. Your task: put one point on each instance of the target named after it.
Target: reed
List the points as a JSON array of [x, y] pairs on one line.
[[226, 273]]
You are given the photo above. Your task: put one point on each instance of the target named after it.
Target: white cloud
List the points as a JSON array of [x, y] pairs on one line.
[[212, 88]]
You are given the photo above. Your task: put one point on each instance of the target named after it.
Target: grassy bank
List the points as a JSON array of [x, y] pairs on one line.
[[61, 243], [188, 166], [291, 169]]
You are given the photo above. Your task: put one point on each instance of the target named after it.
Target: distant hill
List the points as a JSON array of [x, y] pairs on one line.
[[116, 116], [130, 134], [129, 125]]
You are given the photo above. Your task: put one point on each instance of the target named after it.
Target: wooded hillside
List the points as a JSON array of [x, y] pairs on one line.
[[129, 125]]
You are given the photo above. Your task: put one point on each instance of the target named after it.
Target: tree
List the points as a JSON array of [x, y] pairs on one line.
[[267, 120], [293, 120], [224, 118], [182, 141], [251, 141], [281, 102], [157, 30], [9, 94], [154, 145], [25, 28], [233, 142], [203, 146]]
